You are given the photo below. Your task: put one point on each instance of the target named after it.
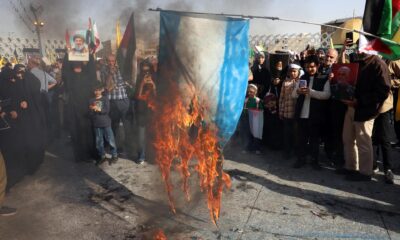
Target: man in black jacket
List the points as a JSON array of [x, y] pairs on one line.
[[372, 89], [312, 93]]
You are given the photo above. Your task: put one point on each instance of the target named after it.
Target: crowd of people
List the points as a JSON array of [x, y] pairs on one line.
[[289, 107], [87, 102]]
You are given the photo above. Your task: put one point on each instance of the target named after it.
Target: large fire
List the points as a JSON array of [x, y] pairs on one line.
[[183, 134]]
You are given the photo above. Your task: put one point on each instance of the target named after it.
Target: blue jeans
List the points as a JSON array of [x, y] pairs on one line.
[[107, 134]]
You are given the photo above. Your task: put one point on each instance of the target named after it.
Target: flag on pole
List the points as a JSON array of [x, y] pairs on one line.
[[382, 18], [126, 52], [208, 56], [92, 37], [96, 37], [331, 46], [67, 39], [16, 56], [118, 34]]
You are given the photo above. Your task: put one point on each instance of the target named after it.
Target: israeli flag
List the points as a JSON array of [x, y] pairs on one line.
[[209, 56]]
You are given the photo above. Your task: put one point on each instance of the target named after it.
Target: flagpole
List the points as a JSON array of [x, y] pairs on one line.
[[275, 19]]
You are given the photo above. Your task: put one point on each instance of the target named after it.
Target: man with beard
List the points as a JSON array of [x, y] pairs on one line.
[[116, 88], [332, 136], [79, 44], [79, 79]]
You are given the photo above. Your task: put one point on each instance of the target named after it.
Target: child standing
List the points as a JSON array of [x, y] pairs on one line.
[[286, 109], [253, 112], [99, 109]]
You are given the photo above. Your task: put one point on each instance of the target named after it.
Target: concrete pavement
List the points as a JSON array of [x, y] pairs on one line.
[[268, 200]]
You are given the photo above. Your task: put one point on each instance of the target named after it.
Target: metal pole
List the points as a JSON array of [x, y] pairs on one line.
[[274, 18], [37, 29]]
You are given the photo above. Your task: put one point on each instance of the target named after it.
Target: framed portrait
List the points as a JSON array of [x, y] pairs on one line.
[[344, 81], [78, 49]]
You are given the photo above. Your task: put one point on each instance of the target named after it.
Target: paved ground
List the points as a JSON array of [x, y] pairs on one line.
[[268, 200]]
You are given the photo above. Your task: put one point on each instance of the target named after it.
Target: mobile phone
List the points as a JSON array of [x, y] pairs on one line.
[[302, 83], [349, 38]]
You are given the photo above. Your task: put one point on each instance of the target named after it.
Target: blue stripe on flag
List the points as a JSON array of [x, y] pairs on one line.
[[234, 77]]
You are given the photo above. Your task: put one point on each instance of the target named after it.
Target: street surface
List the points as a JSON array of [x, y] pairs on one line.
[[268, 200]]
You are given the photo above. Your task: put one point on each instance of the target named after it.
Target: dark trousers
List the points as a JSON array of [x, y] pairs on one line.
[[333, 128], [309, 134], [381, 139], [118, 114], [396, 123]]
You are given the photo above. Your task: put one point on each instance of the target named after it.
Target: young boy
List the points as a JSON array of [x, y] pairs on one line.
[[253, 112], [99, 109], [312, 92]]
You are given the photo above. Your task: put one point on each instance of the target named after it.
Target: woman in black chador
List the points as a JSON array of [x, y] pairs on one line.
[[79, 79], [261, 75], [23, 144]]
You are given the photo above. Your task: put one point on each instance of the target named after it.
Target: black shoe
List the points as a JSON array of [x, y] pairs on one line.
[[113, 160], [389, 177], [358, 177], [299, 164], [101, 161], [7, 211]]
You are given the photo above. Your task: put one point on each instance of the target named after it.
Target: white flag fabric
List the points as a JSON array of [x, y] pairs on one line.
[[256, 119]]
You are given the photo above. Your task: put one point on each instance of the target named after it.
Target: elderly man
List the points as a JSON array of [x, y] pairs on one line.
[[334, 123], [119, 101]]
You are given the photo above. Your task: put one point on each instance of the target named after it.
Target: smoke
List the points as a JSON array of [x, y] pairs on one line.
[[60, 15]]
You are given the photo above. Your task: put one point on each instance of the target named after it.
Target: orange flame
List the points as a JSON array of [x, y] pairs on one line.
[[159, 235], [181, 135]]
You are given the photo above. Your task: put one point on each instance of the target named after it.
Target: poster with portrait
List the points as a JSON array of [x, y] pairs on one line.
[[78, 49], [344, 81]]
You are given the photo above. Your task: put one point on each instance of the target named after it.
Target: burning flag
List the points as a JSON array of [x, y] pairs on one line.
[[203, 70], [382, 18]]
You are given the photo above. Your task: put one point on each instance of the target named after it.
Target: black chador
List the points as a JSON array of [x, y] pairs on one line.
[[79, 79]]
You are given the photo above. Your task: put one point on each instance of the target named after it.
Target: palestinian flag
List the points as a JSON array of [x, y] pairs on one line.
[[382, 18], [126, 52], [92, 37]]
